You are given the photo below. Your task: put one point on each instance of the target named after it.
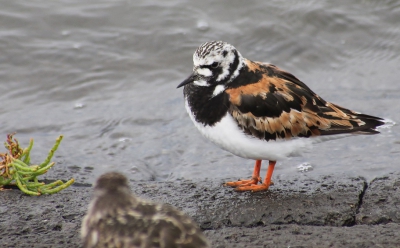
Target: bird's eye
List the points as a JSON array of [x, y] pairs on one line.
[[214, 65]]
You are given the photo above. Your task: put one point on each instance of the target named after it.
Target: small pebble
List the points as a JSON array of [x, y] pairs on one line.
[[304, 167]]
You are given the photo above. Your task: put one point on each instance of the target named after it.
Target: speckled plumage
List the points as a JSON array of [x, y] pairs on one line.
[[116, 218], [256, 110]]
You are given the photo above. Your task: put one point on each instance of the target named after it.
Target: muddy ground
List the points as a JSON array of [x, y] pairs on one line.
[[320, 212]]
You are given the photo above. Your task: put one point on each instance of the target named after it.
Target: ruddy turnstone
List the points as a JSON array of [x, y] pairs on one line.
[[256, 110], [116, 218]]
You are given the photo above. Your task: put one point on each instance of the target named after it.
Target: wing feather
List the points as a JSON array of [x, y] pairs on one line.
[[279, 106]]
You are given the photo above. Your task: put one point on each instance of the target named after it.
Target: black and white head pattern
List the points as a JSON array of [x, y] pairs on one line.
[[216, 63]]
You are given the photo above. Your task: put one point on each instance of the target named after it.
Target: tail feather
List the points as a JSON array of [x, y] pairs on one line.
[[369, 125], [359, 123]]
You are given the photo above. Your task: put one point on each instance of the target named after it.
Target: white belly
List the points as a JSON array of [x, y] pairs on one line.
[[227, 135]]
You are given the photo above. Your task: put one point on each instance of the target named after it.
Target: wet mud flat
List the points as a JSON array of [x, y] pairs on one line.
[[319, 212]]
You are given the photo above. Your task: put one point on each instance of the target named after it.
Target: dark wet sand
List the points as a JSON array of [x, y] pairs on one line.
[[321, 212]]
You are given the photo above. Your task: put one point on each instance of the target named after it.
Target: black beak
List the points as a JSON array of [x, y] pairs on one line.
[[188, 80]]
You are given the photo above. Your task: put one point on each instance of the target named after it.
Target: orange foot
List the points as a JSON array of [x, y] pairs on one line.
[[253, 188], [252, 184], [240, 183]]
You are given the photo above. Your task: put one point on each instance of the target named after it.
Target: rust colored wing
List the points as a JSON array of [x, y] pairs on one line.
[[279, 106]]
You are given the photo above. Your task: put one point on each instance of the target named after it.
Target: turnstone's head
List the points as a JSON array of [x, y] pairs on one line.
[[215, 63]]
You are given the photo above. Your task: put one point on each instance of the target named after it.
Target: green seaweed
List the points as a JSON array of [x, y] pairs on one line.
[[15, 169]]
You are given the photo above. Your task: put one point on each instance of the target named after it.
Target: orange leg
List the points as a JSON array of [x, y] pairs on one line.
[[254, 179], [265, 185]]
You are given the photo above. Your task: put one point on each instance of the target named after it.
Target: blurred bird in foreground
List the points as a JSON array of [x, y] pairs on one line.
[[116, 218]]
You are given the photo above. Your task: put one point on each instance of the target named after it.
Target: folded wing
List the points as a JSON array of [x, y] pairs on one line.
[[279, 106]]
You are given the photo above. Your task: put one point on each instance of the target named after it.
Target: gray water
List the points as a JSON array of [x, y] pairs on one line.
[[104, 74]]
